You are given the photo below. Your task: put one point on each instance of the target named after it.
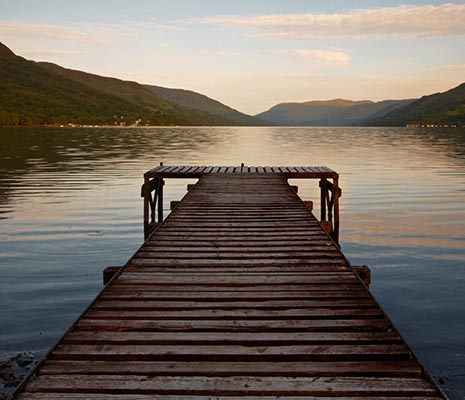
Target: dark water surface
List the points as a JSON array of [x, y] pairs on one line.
[[70, 206]]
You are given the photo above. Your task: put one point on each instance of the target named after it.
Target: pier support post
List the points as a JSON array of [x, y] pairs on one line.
[[335, 197], [323, 194], [146, 194], [161, 183]]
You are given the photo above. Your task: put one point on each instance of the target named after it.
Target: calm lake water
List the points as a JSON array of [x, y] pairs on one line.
[[70, 206]]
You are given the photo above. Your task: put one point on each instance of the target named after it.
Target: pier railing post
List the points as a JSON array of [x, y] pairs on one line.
[[323, 195], [335, 198], [147, 194], [161, 183]]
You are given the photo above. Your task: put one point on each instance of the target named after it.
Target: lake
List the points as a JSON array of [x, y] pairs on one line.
[[70, 206]]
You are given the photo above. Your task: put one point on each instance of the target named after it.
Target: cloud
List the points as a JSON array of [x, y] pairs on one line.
[[85, 34], [52, 53], [233, 54], [151, 24], [322, 56], [448, 68], [377, 23]]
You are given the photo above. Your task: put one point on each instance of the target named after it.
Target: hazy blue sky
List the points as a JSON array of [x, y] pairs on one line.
[[251, 54]]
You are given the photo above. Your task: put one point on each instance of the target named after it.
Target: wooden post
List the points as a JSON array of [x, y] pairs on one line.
[[146, 192], [323, 194], [161, 183], [335, 196]]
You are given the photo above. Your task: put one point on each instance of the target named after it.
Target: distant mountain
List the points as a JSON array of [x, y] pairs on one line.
[[337, 112], [42, 93], [31, 95], [197, 101], [140, 95], [446, 108]]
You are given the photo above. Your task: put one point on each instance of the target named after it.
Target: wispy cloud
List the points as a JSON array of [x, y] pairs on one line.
[[232, 54], [388, 22], [448, 68], [84, 34], [52, 53], [317, 55], [150, 24]]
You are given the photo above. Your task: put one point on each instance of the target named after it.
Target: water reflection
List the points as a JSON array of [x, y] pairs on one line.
[[69, 207]]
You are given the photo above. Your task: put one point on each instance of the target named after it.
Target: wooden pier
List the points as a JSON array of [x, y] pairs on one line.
[[238, 293]]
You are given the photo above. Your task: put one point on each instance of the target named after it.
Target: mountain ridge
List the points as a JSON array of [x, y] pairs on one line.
[[201, 102], [335, 112], [443, 108], [43, 93]]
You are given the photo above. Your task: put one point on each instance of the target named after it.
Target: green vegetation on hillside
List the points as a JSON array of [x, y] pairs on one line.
[[141, 96], [40, 94], [446, 108], [197, 101], [30, 95], [338, 112]]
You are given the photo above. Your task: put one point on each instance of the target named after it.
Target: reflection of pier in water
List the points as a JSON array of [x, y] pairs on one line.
[[239, 292]]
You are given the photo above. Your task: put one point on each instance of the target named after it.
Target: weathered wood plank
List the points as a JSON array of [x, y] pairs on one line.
[[103, 396], [229, 304], [324, 253], [239, 353], [148, 292], [171, 245], [156, 279], [402, 369], [346, 325], [239, 338], [141, 262], [230, 386], [247, 314]]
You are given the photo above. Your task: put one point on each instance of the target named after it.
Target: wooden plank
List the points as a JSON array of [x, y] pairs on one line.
[[342, 325], [263, 246], [238, 255], [240, 273], [103, 396], [223, 305], [206, 248], [230, 386], [249, 314], [279, 270], [156, 279], [239, 338], [239, 353], [141, 262], [148, 292], [402, 369]]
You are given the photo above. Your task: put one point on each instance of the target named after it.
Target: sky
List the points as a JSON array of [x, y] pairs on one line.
[[251, 54]]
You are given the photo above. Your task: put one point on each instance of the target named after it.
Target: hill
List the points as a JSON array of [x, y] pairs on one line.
[[31, 95], [41, 93], [447, 108], [337, 112], [140, 95], [197, 101]]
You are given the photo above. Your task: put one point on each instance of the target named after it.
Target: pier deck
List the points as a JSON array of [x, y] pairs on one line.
[[239, 292]]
